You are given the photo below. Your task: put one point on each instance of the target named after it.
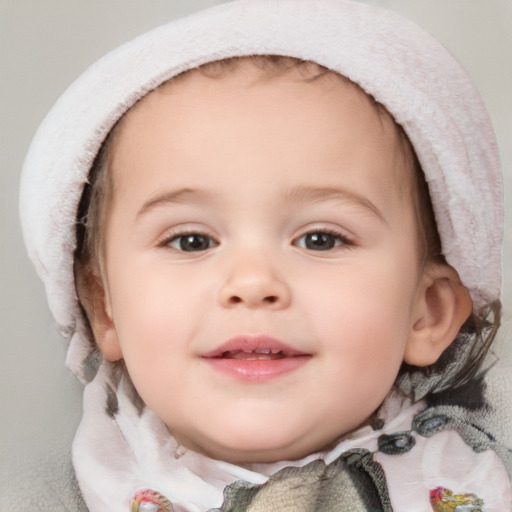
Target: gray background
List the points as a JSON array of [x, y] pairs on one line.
[[44, 45]]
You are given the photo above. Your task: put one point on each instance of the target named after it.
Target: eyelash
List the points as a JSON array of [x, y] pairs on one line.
[[338, 239], [344, 240], [166, 242]]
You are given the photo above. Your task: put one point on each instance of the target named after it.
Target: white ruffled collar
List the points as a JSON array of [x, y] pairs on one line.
[[115, 457]]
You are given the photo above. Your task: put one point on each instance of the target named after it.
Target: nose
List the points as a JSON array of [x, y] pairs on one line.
[[254, 284]]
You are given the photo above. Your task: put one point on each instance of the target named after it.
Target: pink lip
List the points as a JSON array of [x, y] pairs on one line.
[[255, 357]]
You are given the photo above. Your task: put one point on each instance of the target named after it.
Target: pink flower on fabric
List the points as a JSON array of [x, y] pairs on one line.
[[147, 500], [444, 500]]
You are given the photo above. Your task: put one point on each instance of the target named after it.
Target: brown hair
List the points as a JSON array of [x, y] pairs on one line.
[[457, 366]]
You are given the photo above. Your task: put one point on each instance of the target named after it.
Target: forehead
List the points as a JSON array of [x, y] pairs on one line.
[[259, 76], [243, 101]]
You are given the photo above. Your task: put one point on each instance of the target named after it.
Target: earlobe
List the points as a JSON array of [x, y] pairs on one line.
[[94, 300], [443, 305]]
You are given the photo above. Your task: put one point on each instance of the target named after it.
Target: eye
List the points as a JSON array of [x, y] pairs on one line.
[[192, 242], [321, 241]]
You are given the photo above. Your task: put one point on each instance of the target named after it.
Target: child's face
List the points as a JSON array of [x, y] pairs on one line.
[[254, 214]]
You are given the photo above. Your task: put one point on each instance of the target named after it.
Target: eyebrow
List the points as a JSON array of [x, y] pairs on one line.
[[168, 198], [297, 194], [314, 194]]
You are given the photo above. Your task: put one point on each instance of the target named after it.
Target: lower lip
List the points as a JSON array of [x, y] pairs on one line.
[[257, 369]]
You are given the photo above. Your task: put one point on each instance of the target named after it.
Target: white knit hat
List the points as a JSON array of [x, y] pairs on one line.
[[392, 59]]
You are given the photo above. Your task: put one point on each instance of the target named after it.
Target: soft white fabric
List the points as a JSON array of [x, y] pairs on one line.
[[391, 58], [114, 458], [444, 460]]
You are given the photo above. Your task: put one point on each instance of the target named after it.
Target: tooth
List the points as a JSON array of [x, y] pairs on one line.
[[262, 351], [275, 351]]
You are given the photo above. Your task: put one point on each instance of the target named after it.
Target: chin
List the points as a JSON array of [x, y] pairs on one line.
[[242, 439], [247, 451]]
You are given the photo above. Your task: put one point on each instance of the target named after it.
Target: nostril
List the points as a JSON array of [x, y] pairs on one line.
[[270, 299]]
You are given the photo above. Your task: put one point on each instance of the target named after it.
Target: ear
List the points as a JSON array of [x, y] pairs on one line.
[[96, 302], [443, 305]]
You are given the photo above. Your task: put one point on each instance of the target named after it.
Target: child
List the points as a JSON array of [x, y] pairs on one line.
[[272, 310]]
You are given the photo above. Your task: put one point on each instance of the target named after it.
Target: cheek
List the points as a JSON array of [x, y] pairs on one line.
[[157, 316], [365, 312], [147, 315]]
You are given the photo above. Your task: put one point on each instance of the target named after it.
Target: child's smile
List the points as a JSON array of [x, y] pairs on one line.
[[250, 357], [261, 263]]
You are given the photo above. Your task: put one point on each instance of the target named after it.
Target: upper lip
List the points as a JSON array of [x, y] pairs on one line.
[[254, 343]]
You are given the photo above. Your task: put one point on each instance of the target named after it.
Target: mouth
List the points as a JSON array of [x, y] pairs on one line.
[[263, 354], [255, 358]]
